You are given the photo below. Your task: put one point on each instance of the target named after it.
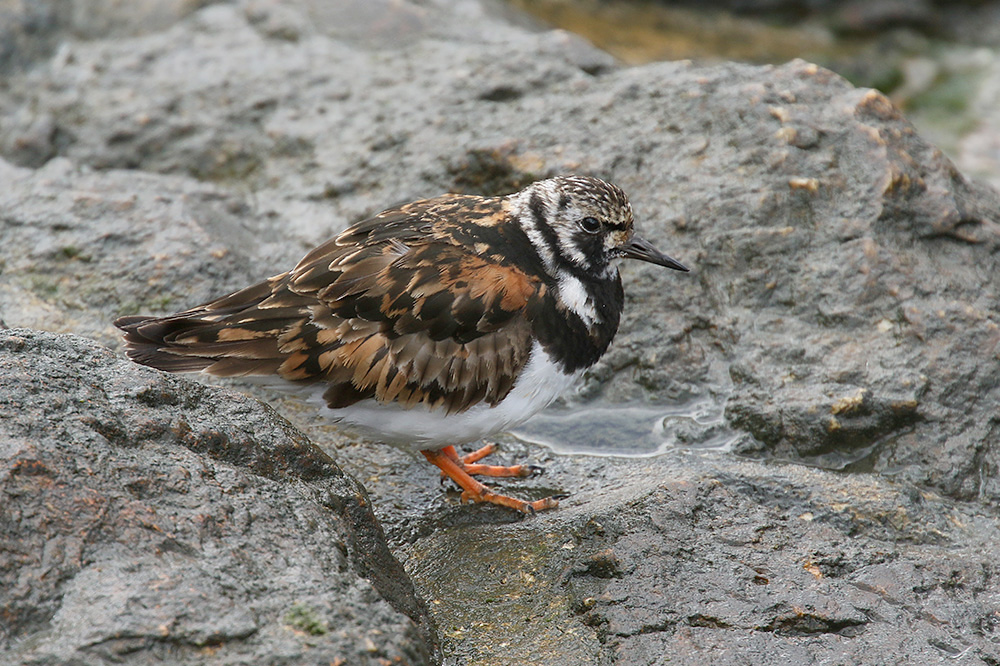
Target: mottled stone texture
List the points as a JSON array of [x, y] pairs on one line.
[[842, 313], [146, 518]]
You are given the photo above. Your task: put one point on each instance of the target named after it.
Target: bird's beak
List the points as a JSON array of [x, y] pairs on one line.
[[640, 248]]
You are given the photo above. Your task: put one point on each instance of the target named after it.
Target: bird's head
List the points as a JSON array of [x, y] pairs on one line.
[[583, 226]]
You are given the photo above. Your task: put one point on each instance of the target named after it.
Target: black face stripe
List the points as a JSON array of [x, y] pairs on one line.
[[592, 248], [538, 214], [523, 252], [590, 245]]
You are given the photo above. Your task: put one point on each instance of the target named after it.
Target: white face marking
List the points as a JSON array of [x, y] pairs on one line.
[[519, 208], [563, 203], [574, 295], [536, 238], [569, 248], [541, 382]]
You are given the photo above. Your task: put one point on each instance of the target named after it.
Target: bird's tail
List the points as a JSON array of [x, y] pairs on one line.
[[231, 336]]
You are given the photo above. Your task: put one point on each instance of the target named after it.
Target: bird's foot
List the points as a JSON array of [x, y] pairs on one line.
[[457, 470], [523, 506], [478, 454], [469, 461]]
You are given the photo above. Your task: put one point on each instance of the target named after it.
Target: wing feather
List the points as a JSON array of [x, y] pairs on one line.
[[393, 309]]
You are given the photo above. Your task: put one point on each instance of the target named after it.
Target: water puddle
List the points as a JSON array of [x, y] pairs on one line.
[[629, 430]]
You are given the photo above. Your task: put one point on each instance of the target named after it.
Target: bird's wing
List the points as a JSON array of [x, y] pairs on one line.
[[389, 310]]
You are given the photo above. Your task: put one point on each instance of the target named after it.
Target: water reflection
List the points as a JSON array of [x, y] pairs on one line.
[[629, 430]]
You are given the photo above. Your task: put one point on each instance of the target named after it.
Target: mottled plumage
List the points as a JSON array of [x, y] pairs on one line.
[[432, 324]]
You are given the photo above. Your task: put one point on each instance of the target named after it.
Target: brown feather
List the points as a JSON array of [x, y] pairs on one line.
[[395, 308]]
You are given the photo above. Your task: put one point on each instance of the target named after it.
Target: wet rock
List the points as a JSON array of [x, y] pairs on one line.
[[148, 518], [706, 558], [841, 313], [790, 569], [892, 246]]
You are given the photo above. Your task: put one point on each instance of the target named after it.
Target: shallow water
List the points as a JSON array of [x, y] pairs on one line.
[[629, 430]]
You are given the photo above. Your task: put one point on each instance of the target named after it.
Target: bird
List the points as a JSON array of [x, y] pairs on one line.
[[431, 325]]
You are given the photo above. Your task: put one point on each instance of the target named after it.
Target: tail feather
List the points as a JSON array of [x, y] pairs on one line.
[[230, 336], [235, 335], [146, 342], [188, 344]]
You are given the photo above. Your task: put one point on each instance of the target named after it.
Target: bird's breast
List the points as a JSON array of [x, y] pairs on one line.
[[541, 381]]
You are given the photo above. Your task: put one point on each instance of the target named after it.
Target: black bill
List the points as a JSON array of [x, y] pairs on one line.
[[640, 248]]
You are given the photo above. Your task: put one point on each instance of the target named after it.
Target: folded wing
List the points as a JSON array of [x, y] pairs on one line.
[[387, 310]]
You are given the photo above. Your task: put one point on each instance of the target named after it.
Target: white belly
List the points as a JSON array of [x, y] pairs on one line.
[[540, 383]]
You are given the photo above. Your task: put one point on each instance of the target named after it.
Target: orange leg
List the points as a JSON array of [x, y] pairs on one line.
[[448, 462], [467, 463], [478, 454]]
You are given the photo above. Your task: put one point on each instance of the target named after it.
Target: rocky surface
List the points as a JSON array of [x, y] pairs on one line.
[[148, 518], [842, 314], [694, 560]]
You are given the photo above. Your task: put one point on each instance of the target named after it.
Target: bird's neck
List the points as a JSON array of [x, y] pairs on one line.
[[578, 320]]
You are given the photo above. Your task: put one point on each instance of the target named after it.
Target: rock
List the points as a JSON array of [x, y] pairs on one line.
[[32, 31], [839, 326], [964, 20], [706, 559], [80, 246], [149, 518], [980, 148]]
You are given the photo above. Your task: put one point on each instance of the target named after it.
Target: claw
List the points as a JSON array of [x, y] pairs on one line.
[[473, 491], [469, 464], [535, 470]]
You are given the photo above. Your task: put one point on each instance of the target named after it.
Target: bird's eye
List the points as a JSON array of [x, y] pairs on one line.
[[590, 224]]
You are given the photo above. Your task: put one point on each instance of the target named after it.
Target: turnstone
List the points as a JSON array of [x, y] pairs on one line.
[[430, 325]]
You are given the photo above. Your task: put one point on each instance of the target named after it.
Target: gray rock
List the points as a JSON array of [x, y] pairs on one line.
[[32, 31], [79, 245], [147, 518], [841, 313], [703, 559]]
